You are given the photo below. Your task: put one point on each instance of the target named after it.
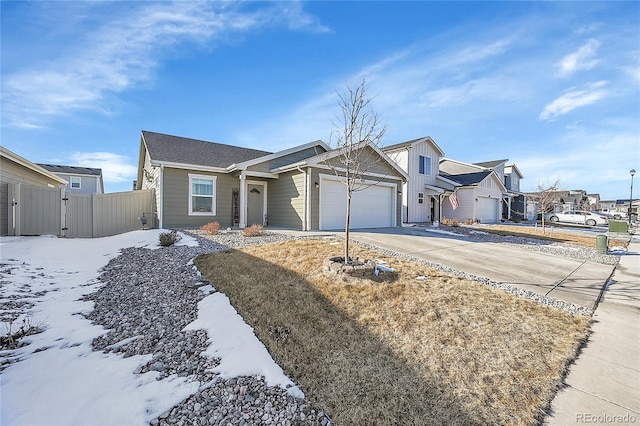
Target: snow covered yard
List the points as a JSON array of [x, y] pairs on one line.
[[56, 377]]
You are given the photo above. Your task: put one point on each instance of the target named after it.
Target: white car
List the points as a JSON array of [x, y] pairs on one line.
[[579, 217]]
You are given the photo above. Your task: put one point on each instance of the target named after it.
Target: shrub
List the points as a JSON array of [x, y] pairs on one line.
[[469, 222], [450, 222], [253, 231], [169, 238], [211, 228]]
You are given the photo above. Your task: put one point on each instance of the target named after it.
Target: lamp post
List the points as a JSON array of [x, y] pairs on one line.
[[631, 172]]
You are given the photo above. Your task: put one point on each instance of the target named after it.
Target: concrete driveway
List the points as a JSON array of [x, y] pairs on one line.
[[570, 280]]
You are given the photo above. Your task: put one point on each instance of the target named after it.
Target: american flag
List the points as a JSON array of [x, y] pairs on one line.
[[453, 199]]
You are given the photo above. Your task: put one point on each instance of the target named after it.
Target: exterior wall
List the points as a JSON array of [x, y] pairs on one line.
[[512, 182], [88, 184], [286, 201], [11, 172], [315, 196], [466, 205], [175, 199]]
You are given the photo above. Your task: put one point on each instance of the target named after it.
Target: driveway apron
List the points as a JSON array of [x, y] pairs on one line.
[[570, 280]]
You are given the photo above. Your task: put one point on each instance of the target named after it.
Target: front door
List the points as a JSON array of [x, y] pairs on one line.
[[255, 204]]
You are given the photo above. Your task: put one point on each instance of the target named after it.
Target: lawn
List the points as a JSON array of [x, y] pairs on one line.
[[551, 233], [416, 346]]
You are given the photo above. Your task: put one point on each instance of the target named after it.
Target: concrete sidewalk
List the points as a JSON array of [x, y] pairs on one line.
[[604, 383]]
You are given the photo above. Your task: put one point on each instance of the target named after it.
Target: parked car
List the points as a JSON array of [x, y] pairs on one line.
[[613, 214], [578, 216]]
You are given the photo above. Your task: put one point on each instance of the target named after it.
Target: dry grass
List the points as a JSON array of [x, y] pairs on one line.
[[253, 231], [417, 346], [551, 234]]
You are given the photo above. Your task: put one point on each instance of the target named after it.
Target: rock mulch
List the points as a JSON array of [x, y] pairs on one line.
[[147, 299]]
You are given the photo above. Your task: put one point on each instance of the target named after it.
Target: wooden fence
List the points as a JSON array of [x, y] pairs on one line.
[[37, 210]]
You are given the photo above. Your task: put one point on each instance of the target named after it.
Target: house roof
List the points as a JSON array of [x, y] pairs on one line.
[[512, 168], [71, 170], [176, 149], [468, 179], [10, 155], [406, 144], [491, 164]]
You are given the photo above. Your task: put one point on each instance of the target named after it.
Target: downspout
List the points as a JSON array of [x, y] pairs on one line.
[[161, 197], [306, 199]]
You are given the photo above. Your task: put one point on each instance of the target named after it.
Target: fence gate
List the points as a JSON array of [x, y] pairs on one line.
[[40, 211]]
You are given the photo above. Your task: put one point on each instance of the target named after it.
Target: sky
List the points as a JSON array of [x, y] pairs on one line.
[[554, 87], [53, 274]]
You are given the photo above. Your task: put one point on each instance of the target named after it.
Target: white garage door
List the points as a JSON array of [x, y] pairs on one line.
[[487, 210], [371, 208]]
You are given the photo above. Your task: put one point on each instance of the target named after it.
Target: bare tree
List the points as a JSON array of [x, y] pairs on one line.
[[546, 197], [355, 132]]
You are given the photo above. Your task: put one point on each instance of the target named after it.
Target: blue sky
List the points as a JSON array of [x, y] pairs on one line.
[[552, 86]]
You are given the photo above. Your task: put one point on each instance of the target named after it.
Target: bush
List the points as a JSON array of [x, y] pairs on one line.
[[450, 222], [169, 238], [211, 228], [253, 231], [470, 222]]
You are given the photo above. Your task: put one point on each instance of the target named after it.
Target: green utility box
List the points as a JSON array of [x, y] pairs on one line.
[[601, 244], [618, 226]]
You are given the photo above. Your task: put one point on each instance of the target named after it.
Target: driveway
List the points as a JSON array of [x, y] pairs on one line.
[[571, 280]]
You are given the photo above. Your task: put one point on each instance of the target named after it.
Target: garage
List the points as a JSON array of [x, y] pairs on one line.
[[374, 207], [487, 210]]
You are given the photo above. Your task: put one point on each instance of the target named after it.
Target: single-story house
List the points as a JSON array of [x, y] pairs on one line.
[[197, 182], [421, 195], [82, 180], [16, 169]]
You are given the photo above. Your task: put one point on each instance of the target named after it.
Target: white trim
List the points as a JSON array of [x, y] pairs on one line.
[[308, 200], [79, 182], [10, 155], [188, 167], [243, 165], [161, 200], [214, 191], [243, 203], [260, 174]]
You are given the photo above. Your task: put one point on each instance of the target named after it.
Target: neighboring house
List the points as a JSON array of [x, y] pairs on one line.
[[197, 182], [479, 191], [16, 169], [422, 195], [82, 180], [594, 201], [576, 199], [516, 206]]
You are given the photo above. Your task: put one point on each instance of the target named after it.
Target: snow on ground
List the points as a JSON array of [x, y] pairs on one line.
[[57, 379]]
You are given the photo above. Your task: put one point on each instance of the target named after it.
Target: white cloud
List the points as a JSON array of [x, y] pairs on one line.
[[124, 52], [582, 59], [115, 168], [573, 99]]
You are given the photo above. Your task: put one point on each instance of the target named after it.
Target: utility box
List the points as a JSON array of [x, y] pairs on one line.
[[601, 244], [618, 226]]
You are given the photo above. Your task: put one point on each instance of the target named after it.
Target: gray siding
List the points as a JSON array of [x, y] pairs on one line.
[[287, 159], [286, 201], [11, 172], [175, 199], [88, 184]]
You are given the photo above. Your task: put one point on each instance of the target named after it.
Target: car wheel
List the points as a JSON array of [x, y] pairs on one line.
[[591, 222], [554, 218]]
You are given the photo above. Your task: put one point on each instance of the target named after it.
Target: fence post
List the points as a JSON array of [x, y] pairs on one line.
[[63, 213], [94, 222]]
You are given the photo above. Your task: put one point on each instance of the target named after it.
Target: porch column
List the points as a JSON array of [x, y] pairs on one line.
[[243, 201]]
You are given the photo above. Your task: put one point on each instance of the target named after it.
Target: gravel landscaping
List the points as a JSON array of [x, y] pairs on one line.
[[149, 296]]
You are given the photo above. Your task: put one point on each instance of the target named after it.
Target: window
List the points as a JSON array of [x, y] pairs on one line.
[[420, 198], [424, 165], [75, 182], [202, 199]]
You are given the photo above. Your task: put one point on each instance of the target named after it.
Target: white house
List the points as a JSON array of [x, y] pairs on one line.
[[421, 194]]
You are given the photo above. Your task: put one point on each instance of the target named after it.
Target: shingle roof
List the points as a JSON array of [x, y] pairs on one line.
[[71, 170], [176, 149], [408, 143], [491, 164], [467, 179]]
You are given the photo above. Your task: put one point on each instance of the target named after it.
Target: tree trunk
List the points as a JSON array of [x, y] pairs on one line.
[[346, 227]]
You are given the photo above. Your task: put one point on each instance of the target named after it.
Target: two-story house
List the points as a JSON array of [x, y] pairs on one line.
[[82, 180], [421, 195]]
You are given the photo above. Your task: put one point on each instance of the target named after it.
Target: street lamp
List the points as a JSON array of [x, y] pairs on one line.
[[632, 172]]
